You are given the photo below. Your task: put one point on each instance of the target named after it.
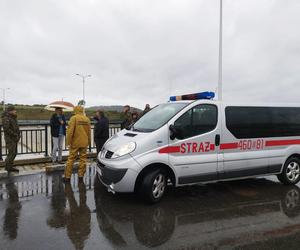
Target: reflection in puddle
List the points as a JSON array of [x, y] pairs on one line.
[[78, 218], [65, 212], [226, 214], [12, 212], [242, 214], [32, 185]]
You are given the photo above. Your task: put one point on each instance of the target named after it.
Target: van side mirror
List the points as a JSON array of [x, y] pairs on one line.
[[173, 132]]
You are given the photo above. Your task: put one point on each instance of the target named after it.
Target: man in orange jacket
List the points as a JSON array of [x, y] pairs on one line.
[[78, 140]]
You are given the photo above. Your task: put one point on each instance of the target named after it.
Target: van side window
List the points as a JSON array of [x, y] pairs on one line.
[[257, 122], [198, 120]]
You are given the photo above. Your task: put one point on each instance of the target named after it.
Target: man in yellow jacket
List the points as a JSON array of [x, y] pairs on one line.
[[78, 140]]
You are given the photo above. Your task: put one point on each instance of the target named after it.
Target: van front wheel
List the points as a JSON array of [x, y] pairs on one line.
[[291, 172], [154, 186]]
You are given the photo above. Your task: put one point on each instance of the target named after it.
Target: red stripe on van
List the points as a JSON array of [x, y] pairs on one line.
[[282, 143], [169, 150], [233, 145]]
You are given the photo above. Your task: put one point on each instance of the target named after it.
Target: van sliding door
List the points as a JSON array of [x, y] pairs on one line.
[[243, 144]]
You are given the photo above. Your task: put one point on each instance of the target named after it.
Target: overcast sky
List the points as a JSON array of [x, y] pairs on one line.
[[141, 51]]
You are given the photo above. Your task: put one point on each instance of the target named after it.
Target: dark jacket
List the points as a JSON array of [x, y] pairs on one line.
[[55, 124], [10, 128], [101, 129]]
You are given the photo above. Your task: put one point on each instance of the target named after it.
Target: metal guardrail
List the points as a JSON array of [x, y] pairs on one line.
[[36, 139]]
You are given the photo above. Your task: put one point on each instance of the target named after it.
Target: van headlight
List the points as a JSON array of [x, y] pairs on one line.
[[124, 150]]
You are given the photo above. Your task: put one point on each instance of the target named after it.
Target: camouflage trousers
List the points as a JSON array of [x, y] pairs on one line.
[[12, 153], [74, 152]]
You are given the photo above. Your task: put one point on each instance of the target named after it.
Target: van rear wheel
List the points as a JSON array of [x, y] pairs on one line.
[[154, 186], [291, 172]]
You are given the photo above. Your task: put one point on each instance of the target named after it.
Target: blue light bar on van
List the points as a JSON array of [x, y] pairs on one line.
[[197, 96]]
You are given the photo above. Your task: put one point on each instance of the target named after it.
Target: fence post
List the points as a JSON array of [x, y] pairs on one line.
[[1, 159], [46, 141]]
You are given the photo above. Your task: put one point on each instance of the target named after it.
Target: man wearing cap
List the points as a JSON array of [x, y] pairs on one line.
[[11, 136], [78, 140]]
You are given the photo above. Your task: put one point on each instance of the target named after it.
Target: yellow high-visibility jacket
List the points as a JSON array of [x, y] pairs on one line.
[[79, 130]]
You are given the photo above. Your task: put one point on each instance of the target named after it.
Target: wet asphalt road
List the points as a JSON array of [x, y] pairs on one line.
[[40, 212]]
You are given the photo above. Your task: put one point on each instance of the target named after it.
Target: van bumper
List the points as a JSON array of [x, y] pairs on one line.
[[120, 180]]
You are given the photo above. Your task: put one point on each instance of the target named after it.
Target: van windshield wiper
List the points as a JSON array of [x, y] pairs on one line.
[[142, 130], [135, 129]]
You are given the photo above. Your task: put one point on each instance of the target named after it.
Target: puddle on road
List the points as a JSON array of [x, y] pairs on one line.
[[40, 212]]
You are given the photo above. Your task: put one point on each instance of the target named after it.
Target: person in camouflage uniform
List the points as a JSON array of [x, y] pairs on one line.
[[11, 136], [126, 117]]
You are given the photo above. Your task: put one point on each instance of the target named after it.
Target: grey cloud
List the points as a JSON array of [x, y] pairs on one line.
[[141, 51]]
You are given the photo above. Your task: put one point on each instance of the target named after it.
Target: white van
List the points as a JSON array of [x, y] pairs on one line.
[[201, 141]]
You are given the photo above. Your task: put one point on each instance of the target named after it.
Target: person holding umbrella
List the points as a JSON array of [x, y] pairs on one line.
[[58, 126], [58, 133]]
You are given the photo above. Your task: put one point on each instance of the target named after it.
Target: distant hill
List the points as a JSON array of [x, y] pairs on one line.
[[37, 112]]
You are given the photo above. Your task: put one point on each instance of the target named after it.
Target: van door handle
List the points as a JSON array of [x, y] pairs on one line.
[[217, 140]]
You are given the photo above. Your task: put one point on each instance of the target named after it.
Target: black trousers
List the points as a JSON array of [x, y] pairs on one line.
[[99, 144]]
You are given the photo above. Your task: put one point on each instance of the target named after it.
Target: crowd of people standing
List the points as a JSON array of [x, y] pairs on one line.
[[76, 132]]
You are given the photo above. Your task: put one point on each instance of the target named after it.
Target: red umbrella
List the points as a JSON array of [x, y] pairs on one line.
[[66, 106]]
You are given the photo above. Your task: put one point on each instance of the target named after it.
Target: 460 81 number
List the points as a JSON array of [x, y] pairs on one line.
[[251, 144]]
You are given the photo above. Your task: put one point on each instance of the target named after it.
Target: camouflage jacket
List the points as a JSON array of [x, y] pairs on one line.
[[126, 119], [10, 128]]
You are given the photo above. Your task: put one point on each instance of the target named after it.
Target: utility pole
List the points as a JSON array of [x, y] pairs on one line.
[[83, 85], [220, 97], [4, 94]]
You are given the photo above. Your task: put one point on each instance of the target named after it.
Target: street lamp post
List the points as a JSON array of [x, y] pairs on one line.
[[4, 94], [220, 52], [83, 85]]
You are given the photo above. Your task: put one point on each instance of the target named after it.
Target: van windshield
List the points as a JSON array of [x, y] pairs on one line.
[[157, 117]]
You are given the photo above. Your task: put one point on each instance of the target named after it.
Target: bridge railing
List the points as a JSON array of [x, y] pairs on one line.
[[36, 139]]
